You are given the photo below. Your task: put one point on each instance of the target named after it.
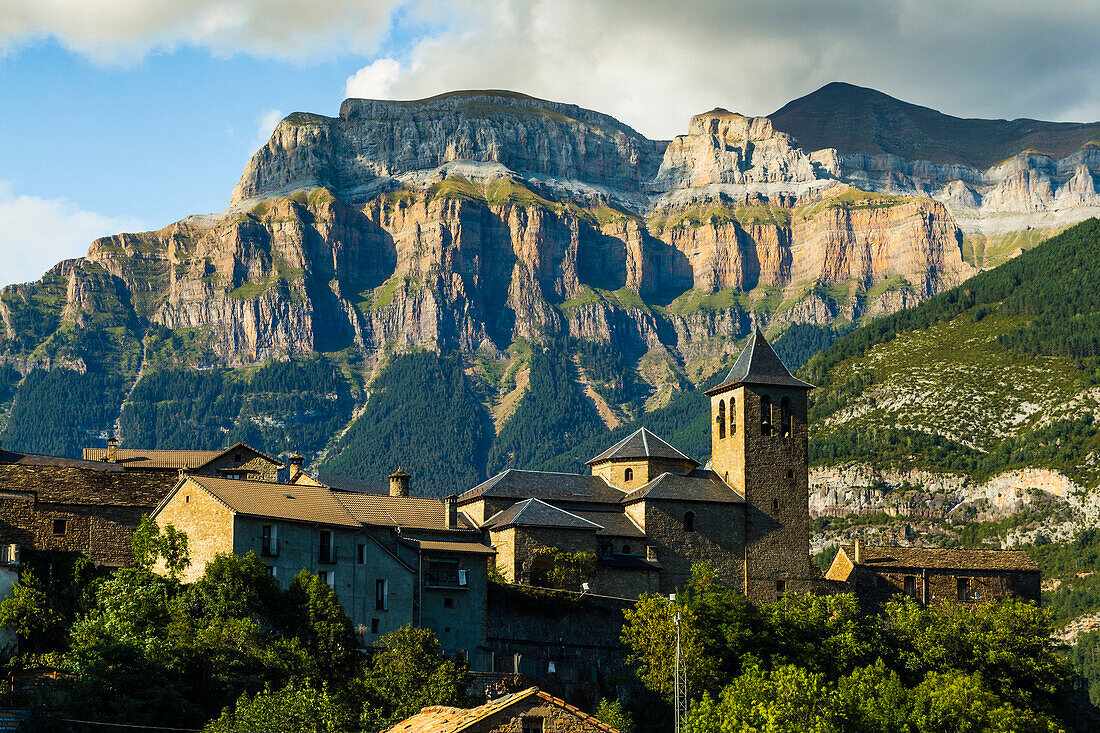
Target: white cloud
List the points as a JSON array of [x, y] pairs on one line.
[[265, 125], [375, 81], [118, 31], [36, 233]]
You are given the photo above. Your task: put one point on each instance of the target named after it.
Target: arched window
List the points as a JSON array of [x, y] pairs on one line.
[[733, 416], [721, 419], [765, 415], [628, 474], [689, 522], [785, 416], [626, 549]]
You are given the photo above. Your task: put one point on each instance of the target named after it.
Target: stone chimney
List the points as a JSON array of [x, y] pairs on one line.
[[112, 450], [399, 483], [295, 466], [858, 552], [450, 503]]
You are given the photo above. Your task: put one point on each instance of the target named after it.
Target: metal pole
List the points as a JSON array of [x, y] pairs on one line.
[[678, 689]]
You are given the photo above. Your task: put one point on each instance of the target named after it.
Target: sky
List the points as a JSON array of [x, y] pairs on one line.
[[127, 115]]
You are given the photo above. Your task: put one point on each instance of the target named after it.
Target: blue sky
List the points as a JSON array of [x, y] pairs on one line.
[[130, 114]]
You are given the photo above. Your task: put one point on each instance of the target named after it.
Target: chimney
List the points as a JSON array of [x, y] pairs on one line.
[[858, 552], [399, 483], [295, 466], [450, 503], [112, 450]]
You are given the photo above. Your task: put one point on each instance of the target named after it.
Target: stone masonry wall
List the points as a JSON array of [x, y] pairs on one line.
[[719, 538], [207, 522], [644, 470], [257, 468], [875, 586], [100, 532], [554, 719]]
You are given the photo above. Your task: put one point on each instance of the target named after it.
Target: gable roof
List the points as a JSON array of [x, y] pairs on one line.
[[407, 512], [441, 719], [939, 558], [641, 444], [296, 503], [160, 460], [614, 523], [759, 364], [536, 513], [516, 484], [468, 547], [699, 485], [15, 458]]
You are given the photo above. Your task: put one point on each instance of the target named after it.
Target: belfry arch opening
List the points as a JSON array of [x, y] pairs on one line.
[[721, 418], [765, 415]]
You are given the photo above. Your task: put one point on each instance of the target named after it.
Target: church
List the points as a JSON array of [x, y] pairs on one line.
[[648, 512]]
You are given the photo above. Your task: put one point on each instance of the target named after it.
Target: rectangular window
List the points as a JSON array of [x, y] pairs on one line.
[[443, 573], [448, 602], [328, 549], [361, 554], [327, 577], [374, 626], [59, 526], [272, 571], [381, 595], [269, 544], [532, 725], [963, 588], [780, 587], [234, 476], [911, 585]]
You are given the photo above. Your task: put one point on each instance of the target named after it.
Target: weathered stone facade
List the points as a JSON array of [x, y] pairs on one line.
[[528, 711]]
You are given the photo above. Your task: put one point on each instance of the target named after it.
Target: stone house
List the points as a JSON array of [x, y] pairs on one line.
[[935, 575], [71, 505], [391, 560], [648, 512], [238, 461], [529, 711]]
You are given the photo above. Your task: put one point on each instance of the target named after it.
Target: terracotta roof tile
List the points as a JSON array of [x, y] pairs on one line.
[[298, 502], [466, 548], [137, 458], [411, 512], [439, 719]]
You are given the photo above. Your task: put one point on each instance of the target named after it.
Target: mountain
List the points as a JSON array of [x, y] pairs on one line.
[[543, 271]]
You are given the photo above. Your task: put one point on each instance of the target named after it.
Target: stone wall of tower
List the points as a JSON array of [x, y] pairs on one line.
[[771, 472]]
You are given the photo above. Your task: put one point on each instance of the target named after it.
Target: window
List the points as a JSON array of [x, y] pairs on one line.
[[626, 549], [689, 522], [381, 595], [532, 725], [733, 416], [269, 544], [780, 587], [234, 476], [236, 457], [374, 626], [721, 419], [272, 571], [785, 417], [765, 415], [790, 473], [328, 549], [449, 603], [775, 505], [628, 474], [361, 554], [963, 588], [443, 573], [911, 585], [59, 526], [327, 577]]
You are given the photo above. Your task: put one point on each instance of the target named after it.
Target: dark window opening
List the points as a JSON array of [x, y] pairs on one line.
[[689, 522], [626, 549], [448, 602], [721, 419], [790, 473], [361, 554], [964, 588], [237, 457], [59, 526], [446, 629], [270, 570], [443, 573], [775, 505], [780, 587], [733, 416], [765, 415], [328, 549], [381, 595], [628, 474], [532, 725], [911, 585], [269, 544], [785, 416], [374, 626]]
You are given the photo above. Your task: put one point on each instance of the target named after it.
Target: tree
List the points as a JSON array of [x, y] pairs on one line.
[[408, 674], [788, 699], [177, 557], [613, 713], [150, 544], [649, 636], [322, 627], [234, 587], [299, 709], [146, 542]]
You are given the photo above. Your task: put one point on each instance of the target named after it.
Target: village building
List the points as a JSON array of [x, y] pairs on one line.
[[72, 505], [935, 575], [529, 711], [390, 559], [648, 512], [238, 461]]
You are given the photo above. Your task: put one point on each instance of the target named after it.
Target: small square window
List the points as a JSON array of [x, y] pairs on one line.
[[446, 629], [448, 602], [790, 473], [780, 587], [374, 626], [236, 457], [59, 526], [532, 725]]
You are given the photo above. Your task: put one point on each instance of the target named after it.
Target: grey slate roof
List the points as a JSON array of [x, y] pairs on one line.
[[572, 487], [614, 523], [641, 444], [759, 364], [699, 485], [535, 513], [14, 458]]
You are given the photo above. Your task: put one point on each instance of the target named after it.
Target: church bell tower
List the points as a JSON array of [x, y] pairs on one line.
[[759, 447]]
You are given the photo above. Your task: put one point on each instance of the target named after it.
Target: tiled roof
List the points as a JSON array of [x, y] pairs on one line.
[[942, 559], [613, 523], [361, 486], [633, 562], [641, 444], [411, 512], [136, 458], [440, 719], [516, 484], [469, 548], [699, 485], [759, 364], [33, 459], [536, 513], [87, 486], [297, 503]]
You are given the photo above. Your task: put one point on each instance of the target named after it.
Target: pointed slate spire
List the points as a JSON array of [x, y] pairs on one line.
[[641, 444], [759, 364]]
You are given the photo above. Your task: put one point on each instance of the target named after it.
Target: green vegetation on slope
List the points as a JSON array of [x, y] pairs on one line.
[[423, 416]]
